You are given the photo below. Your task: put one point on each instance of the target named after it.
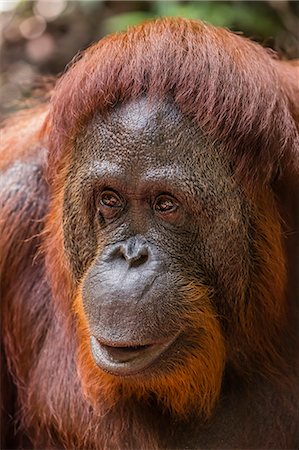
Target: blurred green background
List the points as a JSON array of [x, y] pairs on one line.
[[40, 37]]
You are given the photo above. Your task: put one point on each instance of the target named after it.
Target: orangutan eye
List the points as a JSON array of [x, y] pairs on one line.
[[110, 204], [110, 199], [165, 204]]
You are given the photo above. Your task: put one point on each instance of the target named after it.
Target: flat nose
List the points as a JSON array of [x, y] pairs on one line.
[[135, 251]]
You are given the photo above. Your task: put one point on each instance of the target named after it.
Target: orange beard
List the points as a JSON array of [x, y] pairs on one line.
[[192, 381]]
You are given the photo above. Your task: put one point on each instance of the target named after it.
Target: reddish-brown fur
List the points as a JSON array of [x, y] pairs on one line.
[[239, 95], [229, 85]]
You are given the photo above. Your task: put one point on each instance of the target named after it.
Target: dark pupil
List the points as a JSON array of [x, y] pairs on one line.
[[165, 205], [110, 200]]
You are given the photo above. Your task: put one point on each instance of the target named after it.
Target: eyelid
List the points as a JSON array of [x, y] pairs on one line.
[[168, 195]]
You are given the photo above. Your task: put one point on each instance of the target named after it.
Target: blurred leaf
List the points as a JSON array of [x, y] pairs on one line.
[[121, 22], [177, 9], [252, 17], [89, 5]]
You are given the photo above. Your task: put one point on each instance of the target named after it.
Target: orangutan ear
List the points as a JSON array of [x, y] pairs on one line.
[[288, 72], [285, 181]]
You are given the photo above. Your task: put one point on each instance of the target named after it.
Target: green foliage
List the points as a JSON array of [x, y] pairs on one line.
[[123, 21], [255, 18]]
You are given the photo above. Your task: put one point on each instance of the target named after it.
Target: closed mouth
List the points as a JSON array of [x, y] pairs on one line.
[[126, 359]]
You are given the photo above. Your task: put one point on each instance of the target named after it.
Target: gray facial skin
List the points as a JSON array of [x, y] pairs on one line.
[[134, 258]]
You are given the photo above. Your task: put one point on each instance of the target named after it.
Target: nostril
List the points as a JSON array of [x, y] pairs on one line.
[[134, 253], [121, 254], [138, 260]]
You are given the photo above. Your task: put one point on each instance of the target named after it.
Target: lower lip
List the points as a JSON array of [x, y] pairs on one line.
[[124, 361]]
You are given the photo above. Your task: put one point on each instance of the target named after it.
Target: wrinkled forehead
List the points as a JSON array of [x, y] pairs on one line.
[[142, 132]]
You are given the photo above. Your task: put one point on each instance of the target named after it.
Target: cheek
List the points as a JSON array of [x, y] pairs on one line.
[[81, 240], [223, 246]]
